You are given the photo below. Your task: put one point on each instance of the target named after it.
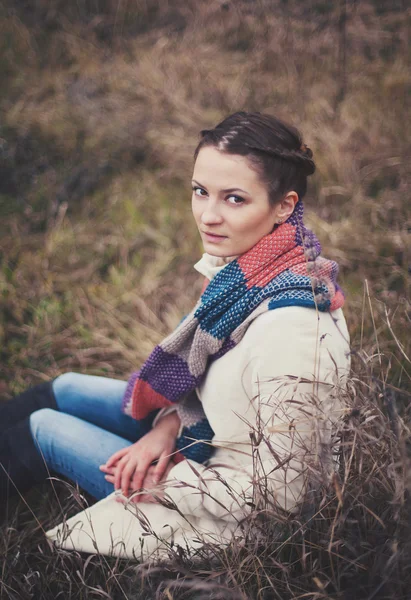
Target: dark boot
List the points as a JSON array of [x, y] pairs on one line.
[[21, 464], [21, 406]]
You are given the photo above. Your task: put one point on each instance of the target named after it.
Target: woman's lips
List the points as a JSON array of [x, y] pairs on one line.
[[212, 237]]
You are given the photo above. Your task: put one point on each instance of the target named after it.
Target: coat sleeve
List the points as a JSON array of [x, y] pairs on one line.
[[296, 385]]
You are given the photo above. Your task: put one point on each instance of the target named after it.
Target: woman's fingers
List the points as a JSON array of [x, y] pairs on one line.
[[139, 498], [108, 470], [148, 484], [119, 471], [130, 477], [160, 467], [132, 462], [129, 469], [127, 475], [140, 473], [117, 456]]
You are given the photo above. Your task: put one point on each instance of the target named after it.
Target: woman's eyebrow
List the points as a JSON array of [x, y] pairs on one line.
[[197, 183], [228, 191], [235, 190]]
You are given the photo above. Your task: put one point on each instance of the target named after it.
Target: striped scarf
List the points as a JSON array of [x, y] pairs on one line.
[[283, 269]]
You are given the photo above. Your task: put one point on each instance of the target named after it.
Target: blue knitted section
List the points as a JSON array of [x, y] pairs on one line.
[[197, 451], [224, 302], [221, 311]]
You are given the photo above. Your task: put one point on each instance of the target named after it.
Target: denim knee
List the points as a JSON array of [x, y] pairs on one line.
[[40, 418], [64, 382]]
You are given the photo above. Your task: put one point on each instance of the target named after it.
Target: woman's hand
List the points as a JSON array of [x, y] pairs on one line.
[[150, 483], [129, 466]]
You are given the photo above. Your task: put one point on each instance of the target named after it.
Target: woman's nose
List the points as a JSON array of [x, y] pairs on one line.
[[211, 213]]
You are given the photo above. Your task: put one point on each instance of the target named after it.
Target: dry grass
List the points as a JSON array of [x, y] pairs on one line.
[[100, 107]]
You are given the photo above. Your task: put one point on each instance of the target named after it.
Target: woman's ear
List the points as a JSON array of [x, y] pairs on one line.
[[286, 207]]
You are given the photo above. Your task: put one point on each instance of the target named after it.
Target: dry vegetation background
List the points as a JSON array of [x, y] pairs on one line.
[[101, 103]]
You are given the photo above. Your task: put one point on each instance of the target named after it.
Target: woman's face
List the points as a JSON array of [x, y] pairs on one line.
[[230, 203]]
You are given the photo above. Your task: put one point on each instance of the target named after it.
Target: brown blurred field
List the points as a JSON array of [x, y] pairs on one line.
[[101, 103]]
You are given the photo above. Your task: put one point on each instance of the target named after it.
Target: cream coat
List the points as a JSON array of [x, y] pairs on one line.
[[272, 401]]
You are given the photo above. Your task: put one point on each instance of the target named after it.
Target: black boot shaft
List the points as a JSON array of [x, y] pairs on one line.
[[21, 464], [20, 407]]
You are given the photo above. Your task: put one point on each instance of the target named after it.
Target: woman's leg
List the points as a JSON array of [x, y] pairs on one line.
[[75, 448], [91, 399], [96, 400]]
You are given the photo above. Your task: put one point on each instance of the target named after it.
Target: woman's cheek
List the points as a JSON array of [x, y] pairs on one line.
[[243, 224]]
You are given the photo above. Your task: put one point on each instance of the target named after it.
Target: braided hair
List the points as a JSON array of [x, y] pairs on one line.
[[274, 148]]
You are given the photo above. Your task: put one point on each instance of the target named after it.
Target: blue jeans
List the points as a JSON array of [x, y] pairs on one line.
[[85, 431]]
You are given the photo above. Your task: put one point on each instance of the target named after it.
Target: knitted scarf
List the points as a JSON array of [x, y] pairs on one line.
[[283, 269]]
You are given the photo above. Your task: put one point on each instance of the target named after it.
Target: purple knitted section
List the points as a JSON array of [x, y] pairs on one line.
[[303, 236], [168, 374], [334, 273], [296, 219], [311, 245]]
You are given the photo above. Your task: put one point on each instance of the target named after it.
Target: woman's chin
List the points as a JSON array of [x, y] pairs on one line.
[[222, 252], [216, 249], [219, 252]]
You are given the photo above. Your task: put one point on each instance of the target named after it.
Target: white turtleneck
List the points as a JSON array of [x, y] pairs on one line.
[[210, 265]]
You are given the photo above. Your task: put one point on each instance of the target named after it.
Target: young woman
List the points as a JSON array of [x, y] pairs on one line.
[[231, 409]]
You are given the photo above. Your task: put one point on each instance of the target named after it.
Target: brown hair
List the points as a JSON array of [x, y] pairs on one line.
[[274, 148]]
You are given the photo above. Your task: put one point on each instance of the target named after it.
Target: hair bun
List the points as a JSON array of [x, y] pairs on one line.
[[307, 158], [306, 150]]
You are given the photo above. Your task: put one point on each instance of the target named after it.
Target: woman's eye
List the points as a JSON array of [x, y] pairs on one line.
[[235, 200], [199, 192]]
